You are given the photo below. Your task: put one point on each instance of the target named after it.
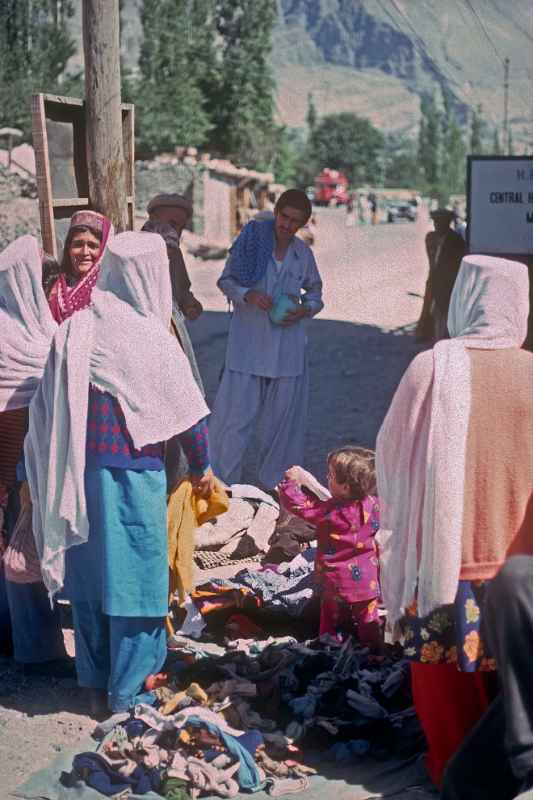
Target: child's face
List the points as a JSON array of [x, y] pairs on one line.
[[341, 491]]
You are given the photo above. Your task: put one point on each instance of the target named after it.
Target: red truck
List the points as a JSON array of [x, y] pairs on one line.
[[331, 188]]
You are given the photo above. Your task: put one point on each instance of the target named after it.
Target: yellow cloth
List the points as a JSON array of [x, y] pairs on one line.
[[186, 511], [195, 691]]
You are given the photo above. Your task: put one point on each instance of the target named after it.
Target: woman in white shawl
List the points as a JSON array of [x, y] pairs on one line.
[[116, 387], [26, 331], [455, 478]]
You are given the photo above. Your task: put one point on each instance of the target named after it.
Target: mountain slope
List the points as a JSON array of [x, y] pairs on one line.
[[379, 57], [424, 45]]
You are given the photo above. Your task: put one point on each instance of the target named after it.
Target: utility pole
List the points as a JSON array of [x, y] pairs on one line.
[[105, 151], [505, 142]]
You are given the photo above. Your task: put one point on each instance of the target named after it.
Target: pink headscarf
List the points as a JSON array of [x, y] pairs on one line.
[[65, 300]]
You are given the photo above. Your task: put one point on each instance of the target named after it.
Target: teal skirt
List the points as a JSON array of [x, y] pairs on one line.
[[123, 568]]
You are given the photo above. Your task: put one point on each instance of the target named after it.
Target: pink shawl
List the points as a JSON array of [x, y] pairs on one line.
[[65, 300]]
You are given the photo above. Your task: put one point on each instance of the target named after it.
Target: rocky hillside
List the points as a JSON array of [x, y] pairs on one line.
[[378, 57]]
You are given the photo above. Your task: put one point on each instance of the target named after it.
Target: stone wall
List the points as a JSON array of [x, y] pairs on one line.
[[155, 177], [217, 209]]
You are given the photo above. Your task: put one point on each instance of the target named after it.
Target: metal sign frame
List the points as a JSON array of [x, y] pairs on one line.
[[512, 252]]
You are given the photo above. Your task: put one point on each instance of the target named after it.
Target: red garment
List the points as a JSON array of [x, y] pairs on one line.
[[448, 704], [65, 300], [337, 618]]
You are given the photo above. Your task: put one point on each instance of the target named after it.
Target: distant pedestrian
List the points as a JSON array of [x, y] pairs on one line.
[[272, 279], [362, 209], [346, 563], [373, 204], [350, 212], [445, 248]]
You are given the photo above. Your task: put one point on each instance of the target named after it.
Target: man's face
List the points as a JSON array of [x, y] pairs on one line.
[[177, 217], [288, 221]]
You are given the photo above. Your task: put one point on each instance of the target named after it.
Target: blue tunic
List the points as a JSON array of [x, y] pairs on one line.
[[124, 564]]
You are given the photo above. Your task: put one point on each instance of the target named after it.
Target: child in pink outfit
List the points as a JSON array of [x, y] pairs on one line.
[[346, 562]]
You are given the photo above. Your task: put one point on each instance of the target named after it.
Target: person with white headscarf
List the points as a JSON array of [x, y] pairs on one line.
[[27, 327], [455, 479], [116, 386]]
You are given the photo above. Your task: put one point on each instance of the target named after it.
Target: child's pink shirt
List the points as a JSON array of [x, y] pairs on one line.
[[346, 561]]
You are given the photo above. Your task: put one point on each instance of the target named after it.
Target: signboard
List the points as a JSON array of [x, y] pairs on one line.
[[58, 125], [500, 205]]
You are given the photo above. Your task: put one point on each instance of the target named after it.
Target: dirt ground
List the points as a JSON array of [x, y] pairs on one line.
[[358, 349]]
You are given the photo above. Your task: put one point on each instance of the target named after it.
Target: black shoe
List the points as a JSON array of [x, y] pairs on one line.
[[57, 668]]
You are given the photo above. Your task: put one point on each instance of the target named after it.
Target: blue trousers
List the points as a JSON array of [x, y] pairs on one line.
[[117, 653], [118, 583], [25, 610]]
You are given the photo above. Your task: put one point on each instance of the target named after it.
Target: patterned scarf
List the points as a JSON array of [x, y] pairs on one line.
[[251, 252], [65, 300]]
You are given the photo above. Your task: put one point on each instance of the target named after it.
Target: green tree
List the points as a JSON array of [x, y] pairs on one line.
[[510, 144], [476, 132], [349, 143], [402, 168], [312, 115], [453, 155], [496, 147], [289, 155], [34, 49], [429, 142], [171, 105], [241, 97]]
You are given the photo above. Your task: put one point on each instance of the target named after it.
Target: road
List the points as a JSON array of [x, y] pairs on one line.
[[360, 344]]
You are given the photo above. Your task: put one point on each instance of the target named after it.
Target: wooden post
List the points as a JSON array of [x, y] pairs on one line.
[[105, 153]]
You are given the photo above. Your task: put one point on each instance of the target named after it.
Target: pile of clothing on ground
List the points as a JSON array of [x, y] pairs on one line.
[[286, 589], [254, 715], [253, 529], [255, 558]]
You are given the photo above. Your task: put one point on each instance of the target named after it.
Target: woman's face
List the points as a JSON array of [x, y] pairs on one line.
[[83, 252]]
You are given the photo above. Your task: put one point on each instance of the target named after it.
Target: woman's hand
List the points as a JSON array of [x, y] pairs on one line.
[[203, 485]]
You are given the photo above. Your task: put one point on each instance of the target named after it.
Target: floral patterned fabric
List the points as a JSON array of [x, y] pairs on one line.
[[451, 634]]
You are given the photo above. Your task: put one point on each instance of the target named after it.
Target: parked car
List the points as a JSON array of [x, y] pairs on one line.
[[396, 211]]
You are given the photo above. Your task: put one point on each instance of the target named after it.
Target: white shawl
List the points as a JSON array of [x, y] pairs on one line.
[[122, 345], [26, 324], [421, 446]]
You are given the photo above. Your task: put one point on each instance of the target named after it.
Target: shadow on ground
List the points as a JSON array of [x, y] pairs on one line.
[[354, 371]]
